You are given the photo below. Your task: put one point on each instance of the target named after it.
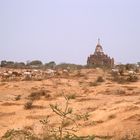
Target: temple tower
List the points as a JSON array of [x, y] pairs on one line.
[[99, 58]]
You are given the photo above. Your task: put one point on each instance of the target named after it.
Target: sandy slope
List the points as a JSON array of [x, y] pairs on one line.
[[113, 109]]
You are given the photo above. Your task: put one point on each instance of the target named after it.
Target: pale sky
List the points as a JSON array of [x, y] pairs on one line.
[[67, 30]]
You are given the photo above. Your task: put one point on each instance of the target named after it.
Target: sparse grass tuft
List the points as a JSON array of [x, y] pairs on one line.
[[71, 96], [85, 116], [19, 135]]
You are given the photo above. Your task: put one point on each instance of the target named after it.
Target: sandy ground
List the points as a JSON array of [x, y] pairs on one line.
[[114, 109]]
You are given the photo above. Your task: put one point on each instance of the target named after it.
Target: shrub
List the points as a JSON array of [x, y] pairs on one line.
[[131, 136], [47, 95], [120, 92], [132, 78], [112, 116], [119, 79], [28, 105], [27, 78], [93, 84], [62, 131], [100, 79], [18, 97], [19, 135], [37, 94]]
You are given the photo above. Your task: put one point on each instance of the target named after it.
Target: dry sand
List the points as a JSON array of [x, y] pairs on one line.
[[114, 109]]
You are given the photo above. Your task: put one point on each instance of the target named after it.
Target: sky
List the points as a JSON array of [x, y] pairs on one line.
[[68, 30]]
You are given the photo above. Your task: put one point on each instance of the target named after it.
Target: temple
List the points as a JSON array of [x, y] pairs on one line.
[[99, 58]]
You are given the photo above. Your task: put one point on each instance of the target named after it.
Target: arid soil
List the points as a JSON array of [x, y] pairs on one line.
[[113, 109]]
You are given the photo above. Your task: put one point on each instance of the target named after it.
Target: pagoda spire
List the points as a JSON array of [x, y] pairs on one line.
[[98, 41]]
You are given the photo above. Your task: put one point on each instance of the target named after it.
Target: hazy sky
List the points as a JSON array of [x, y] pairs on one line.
[[67, 30]]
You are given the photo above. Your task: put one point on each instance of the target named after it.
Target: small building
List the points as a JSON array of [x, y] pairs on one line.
[[99, 58]]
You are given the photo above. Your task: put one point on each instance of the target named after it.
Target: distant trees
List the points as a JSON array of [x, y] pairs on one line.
[[130, 66], [35, 63], [19, 65], [50, 65], [11, 64], [138, 63], [69, 66], [39, 65], [5, 63], [28, 64]]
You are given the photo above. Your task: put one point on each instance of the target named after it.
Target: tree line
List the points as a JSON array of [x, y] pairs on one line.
[[37, 64]]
